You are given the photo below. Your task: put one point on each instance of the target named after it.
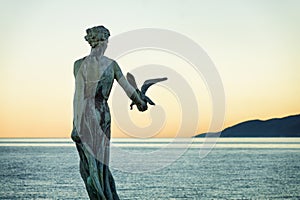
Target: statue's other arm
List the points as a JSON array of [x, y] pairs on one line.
[[74, 135], [130, 91]]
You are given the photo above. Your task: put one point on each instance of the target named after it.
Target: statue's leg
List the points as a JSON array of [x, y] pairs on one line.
[[82, 164], [89, 173], [109, 186], [112, 185]]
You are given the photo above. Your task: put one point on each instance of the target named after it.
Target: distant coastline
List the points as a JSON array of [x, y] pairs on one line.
[[276, 127]]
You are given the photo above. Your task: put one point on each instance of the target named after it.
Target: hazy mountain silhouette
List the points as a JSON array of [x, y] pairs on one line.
[[277, 127]]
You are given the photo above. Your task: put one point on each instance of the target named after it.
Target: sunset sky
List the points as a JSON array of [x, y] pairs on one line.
[[254, 45]]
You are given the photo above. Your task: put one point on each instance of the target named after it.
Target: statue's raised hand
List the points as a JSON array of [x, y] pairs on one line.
[[142, 106]]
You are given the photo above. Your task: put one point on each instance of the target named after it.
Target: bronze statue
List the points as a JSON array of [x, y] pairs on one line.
[[94, 77]]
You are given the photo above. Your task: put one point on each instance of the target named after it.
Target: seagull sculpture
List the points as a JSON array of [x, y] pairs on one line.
[[144, 88]]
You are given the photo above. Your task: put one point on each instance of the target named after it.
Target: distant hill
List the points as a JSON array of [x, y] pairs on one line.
[[277, 127]]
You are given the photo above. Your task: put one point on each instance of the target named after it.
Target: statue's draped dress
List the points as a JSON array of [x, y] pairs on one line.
[[92, 121]]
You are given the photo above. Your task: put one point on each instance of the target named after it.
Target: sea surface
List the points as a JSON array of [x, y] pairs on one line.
[[229, 168]]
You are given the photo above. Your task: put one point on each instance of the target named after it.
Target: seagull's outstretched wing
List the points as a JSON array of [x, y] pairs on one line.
[[150, 82], [131, 80]]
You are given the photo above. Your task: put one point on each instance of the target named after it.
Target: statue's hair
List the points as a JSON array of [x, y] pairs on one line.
[[96, 34]]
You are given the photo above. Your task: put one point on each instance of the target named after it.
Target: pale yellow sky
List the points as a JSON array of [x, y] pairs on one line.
[[255, 46]]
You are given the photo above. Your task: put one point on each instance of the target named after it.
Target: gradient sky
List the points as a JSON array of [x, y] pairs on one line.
[[254, 44]]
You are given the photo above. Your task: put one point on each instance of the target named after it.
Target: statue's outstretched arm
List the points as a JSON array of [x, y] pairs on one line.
[[130, 91]]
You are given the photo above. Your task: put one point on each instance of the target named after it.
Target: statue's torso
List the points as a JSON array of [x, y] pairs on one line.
[[105, 79]]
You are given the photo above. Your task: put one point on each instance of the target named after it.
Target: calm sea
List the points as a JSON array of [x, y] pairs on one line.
[[233, 168]]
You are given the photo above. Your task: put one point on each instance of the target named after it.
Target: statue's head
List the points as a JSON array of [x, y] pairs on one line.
[[97, 35]]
